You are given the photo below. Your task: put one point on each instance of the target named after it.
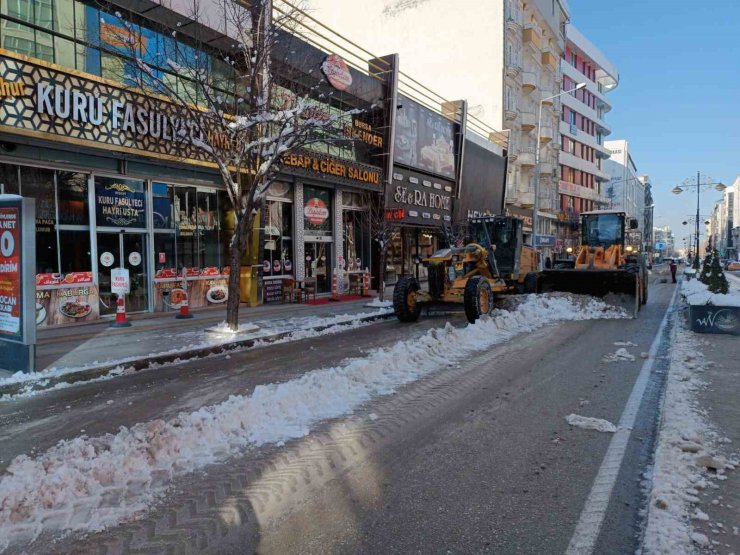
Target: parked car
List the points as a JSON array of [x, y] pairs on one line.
[[733, 266]]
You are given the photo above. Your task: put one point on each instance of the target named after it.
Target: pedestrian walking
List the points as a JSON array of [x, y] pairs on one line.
[[673, 270]]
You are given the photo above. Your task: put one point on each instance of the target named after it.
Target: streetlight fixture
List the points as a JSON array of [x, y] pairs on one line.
[[687, 184], [535, 215]]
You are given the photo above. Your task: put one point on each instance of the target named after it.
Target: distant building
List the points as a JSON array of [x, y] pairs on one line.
[[648, 240], [582, 132], [665, 246], [722, 223], [624, 191]]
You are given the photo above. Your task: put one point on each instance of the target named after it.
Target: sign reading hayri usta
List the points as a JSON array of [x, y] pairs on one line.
[[93, 112]]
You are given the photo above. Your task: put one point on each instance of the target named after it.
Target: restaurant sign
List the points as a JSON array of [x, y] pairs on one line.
[[319, 165], [119, 202], [17, 306], [415, 198], [47, 101]]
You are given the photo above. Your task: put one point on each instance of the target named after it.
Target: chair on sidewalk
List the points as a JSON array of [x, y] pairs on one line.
[[309, 288], [289, 290], [355, 283]]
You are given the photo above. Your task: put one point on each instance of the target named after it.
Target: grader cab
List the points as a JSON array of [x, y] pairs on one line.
[[494, 262]]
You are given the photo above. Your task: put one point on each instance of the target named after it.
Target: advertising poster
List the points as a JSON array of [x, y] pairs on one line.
[[10, 272], [66, 299], [424, 139], [317, 211], [202, 287]]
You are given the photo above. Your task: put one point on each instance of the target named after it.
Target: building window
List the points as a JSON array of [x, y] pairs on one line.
[[278, 245]]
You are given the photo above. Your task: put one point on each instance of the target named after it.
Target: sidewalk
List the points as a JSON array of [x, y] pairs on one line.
[[694, 503], [91, 350]]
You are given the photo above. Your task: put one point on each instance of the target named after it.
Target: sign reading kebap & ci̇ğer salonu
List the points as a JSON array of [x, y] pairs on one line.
[[17, 283]]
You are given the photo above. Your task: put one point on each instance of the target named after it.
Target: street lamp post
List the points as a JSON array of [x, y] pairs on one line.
[[699, 185], [536, 209]]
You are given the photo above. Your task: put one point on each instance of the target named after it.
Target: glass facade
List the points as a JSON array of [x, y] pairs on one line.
[[100, 40]]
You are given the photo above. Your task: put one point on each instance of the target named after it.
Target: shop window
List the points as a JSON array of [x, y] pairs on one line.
[[43, 13], [73, 198], [74, 250], [226, 225], [18, 38], [9, 180], [38, 184], [164, 250], [162, 209], [207, 221], [356, 238], [278, 245], [185, 227]]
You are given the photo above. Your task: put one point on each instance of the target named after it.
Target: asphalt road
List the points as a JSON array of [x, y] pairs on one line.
[[475, 459]]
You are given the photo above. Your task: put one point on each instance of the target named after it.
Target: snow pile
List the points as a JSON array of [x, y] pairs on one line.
[[377, 303], [620, 354], [298, 328], [697, 293], [588, 423], [91, 483], [681, 458]]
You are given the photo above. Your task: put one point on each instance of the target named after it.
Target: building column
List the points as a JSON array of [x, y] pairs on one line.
[[338, 231], [299, 246]]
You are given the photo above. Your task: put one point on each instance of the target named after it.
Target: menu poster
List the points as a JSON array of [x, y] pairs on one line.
[[66, 299], [10, 272], [273, 290], [202, 287], [119, 202]]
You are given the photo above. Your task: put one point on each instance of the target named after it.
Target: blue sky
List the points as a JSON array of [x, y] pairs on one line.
[[677, 99]]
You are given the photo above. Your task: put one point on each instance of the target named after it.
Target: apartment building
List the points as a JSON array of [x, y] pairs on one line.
[[582, 131], [624, 190], [721, 224], [502, 56]]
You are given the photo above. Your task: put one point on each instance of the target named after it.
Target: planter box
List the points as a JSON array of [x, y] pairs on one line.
[[715, 319]]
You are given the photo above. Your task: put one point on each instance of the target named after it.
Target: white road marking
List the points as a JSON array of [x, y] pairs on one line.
[[589, 524]]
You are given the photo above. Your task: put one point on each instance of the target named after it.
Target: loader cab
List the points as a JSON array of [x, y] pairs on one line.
[[603, 228]]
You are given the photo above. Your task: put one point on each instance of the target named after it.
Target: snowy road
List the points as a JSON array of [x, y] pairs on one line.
[[478, 458]]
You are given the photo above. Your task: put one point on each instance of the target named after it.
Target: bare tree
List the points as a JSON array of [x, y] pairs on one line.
[[242, 120], [381, 231]]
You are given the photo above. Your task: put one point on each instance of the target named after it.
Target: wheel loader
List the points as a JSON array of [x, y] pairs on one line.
[[608, 263], [494, 262]]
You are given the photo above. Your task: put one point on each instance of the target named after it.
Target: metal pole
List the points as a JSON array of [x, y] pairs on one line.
[[535, 218], [696, 253]]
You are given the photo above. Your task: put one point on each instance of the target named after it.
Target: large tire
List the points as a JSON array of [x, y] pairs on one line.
[[404, 301], [478, 298]]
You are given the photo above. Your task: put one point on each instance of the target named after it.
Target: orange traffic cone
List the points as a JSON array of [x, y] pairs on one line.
[[120, 321], [184, 310], [334, 289]]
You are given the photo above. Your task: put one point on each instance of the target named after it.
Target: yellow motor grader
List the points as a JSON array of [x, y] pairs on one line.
[[607, 263], [493, 263]]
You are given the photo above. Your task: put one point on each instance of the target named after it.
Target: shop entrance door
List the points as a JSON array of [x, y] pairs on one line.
[[318, 265], [123, 250]]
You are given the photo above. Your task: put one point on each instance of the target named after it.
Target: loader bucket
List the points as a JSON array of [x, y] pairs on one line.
[[617, 287]]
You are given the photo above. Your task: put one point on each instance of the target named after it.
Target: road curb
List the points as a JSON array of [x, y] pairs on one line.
[[182, 356]]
